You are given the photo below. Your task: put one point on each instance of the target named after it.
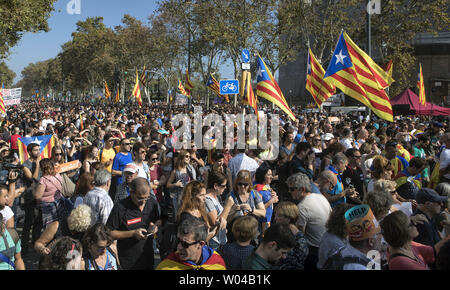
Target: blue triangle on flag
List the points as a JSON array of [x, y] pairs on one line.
[[41, 140], [341, 58]]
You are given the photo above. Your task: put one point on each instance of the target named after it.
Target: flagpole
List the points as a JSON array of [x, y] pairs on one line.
[[369, 40]]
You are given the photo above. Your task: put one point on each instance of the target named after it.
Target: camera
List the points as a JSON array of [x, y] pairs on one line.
[[7, 166]]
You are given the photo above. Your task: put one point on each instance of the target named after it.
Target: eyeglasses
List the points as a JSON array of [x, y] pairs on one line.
[[155, 159], [126, 144], [187, 156], [317, 140], [58, 154], [242, 184], [292, 188], [357, 156], [186, 244], [143, 152], [222, 185]]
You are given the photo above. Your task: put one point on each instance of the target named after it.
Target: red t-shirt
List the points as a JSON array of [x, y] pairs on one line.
[[13, 141], [424, 253], [156, 174]]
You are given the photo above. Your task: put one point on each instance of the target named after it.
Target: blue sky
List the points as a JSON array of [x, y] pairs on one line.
[[35, 47]]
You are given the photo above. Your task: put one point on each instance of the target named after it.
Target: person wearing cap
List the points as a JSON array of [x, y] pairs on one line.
[[429, 203], [130, 172]]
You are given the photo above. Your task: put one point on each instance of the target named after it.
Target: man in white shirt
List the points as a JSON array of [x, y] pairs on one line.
[[314, 212], [98, 198], [347, 139], [242, 162]]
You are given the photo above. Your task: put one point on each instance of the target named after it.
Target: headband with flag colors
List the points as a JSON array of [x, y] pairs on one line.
[[137, 90], [188, 84], [2, 103], [320, 90], [268, 89], [421, 86], [46, 143], [181, 89], [359, 77], [107, 91]]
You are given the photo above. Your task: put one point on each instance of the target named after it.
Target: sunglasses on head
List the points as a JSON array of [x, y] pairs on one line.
[[186, 244]]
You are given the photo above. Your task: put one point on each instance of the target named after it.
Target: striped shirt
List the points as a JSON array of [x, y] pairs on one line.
[[100, 203]]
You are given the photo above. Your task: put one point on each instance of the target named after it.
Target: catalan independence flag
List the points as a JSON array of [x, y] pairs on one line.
[[249, 97], [181, 89], [117, 99], [213, 85], [211, 260], [46, 143], [188, 84], [143, 77], [421, 86], [359, 77], [2, 103], [320, 90], [107, 91], [268, 88], [137, 90]]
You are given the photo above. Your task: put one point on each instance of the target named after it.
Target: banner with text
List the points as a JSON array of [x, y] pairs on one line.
[[12, 96]]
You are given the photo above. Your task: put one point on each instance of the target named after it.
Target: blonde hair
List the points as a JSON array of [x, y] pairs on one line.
[[80, 218], [384, 185], [289, 210]]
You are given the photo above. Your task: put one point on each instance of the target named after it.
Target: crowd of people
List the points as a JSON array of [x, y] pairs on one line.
[[351, 192]]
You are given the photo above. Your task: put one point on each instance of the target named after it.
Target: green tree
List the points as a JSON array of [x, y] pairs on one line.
[[19, 16], [6, 75]]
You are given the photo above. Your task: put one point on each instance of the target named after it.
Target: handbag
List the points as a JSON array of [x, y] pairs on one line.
[[68, 187]]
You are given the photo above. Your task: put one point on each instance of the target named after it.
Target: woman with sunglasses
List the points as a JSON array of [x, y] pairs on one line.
[[100, 251], [246, 200], [157, 177], [181, 175], [399, 231]]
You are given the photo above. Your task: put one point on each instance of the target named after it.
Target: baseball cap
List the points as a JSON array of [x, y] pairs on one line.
[[438, 124], [428, 194], [130, 168], [361, 223], [327, 137]]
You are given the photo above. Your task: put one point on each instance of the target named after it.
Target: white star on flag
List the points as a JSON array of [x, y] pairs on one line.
[[340, 58], [37, 142]]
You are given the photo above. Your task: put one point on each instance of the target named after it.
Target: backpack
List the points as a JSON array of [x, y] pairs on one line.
[[9, 253], [337, 261]]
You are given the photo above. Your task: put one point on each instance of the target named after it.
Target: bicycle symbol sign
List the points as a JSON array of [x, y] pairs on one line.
[[229, 87]]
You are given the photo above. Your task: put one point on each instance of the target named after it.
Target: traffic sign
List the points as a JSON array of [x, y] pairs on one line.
[[229, 87], [245, 55], [246, 66]]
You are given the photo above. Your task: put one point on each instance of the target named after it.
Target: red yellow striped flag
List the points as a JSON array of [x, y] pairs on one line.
[[268, 88], [107, 91], [117, 99], [421, 86], [249, 97], [137, 90], [181, 88], [388, 68], [320, 90], [2, 103], [359, 77]]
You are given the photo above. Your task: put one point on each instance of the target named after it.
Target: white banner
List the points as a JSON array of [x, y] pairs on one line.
[[12, 96]]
